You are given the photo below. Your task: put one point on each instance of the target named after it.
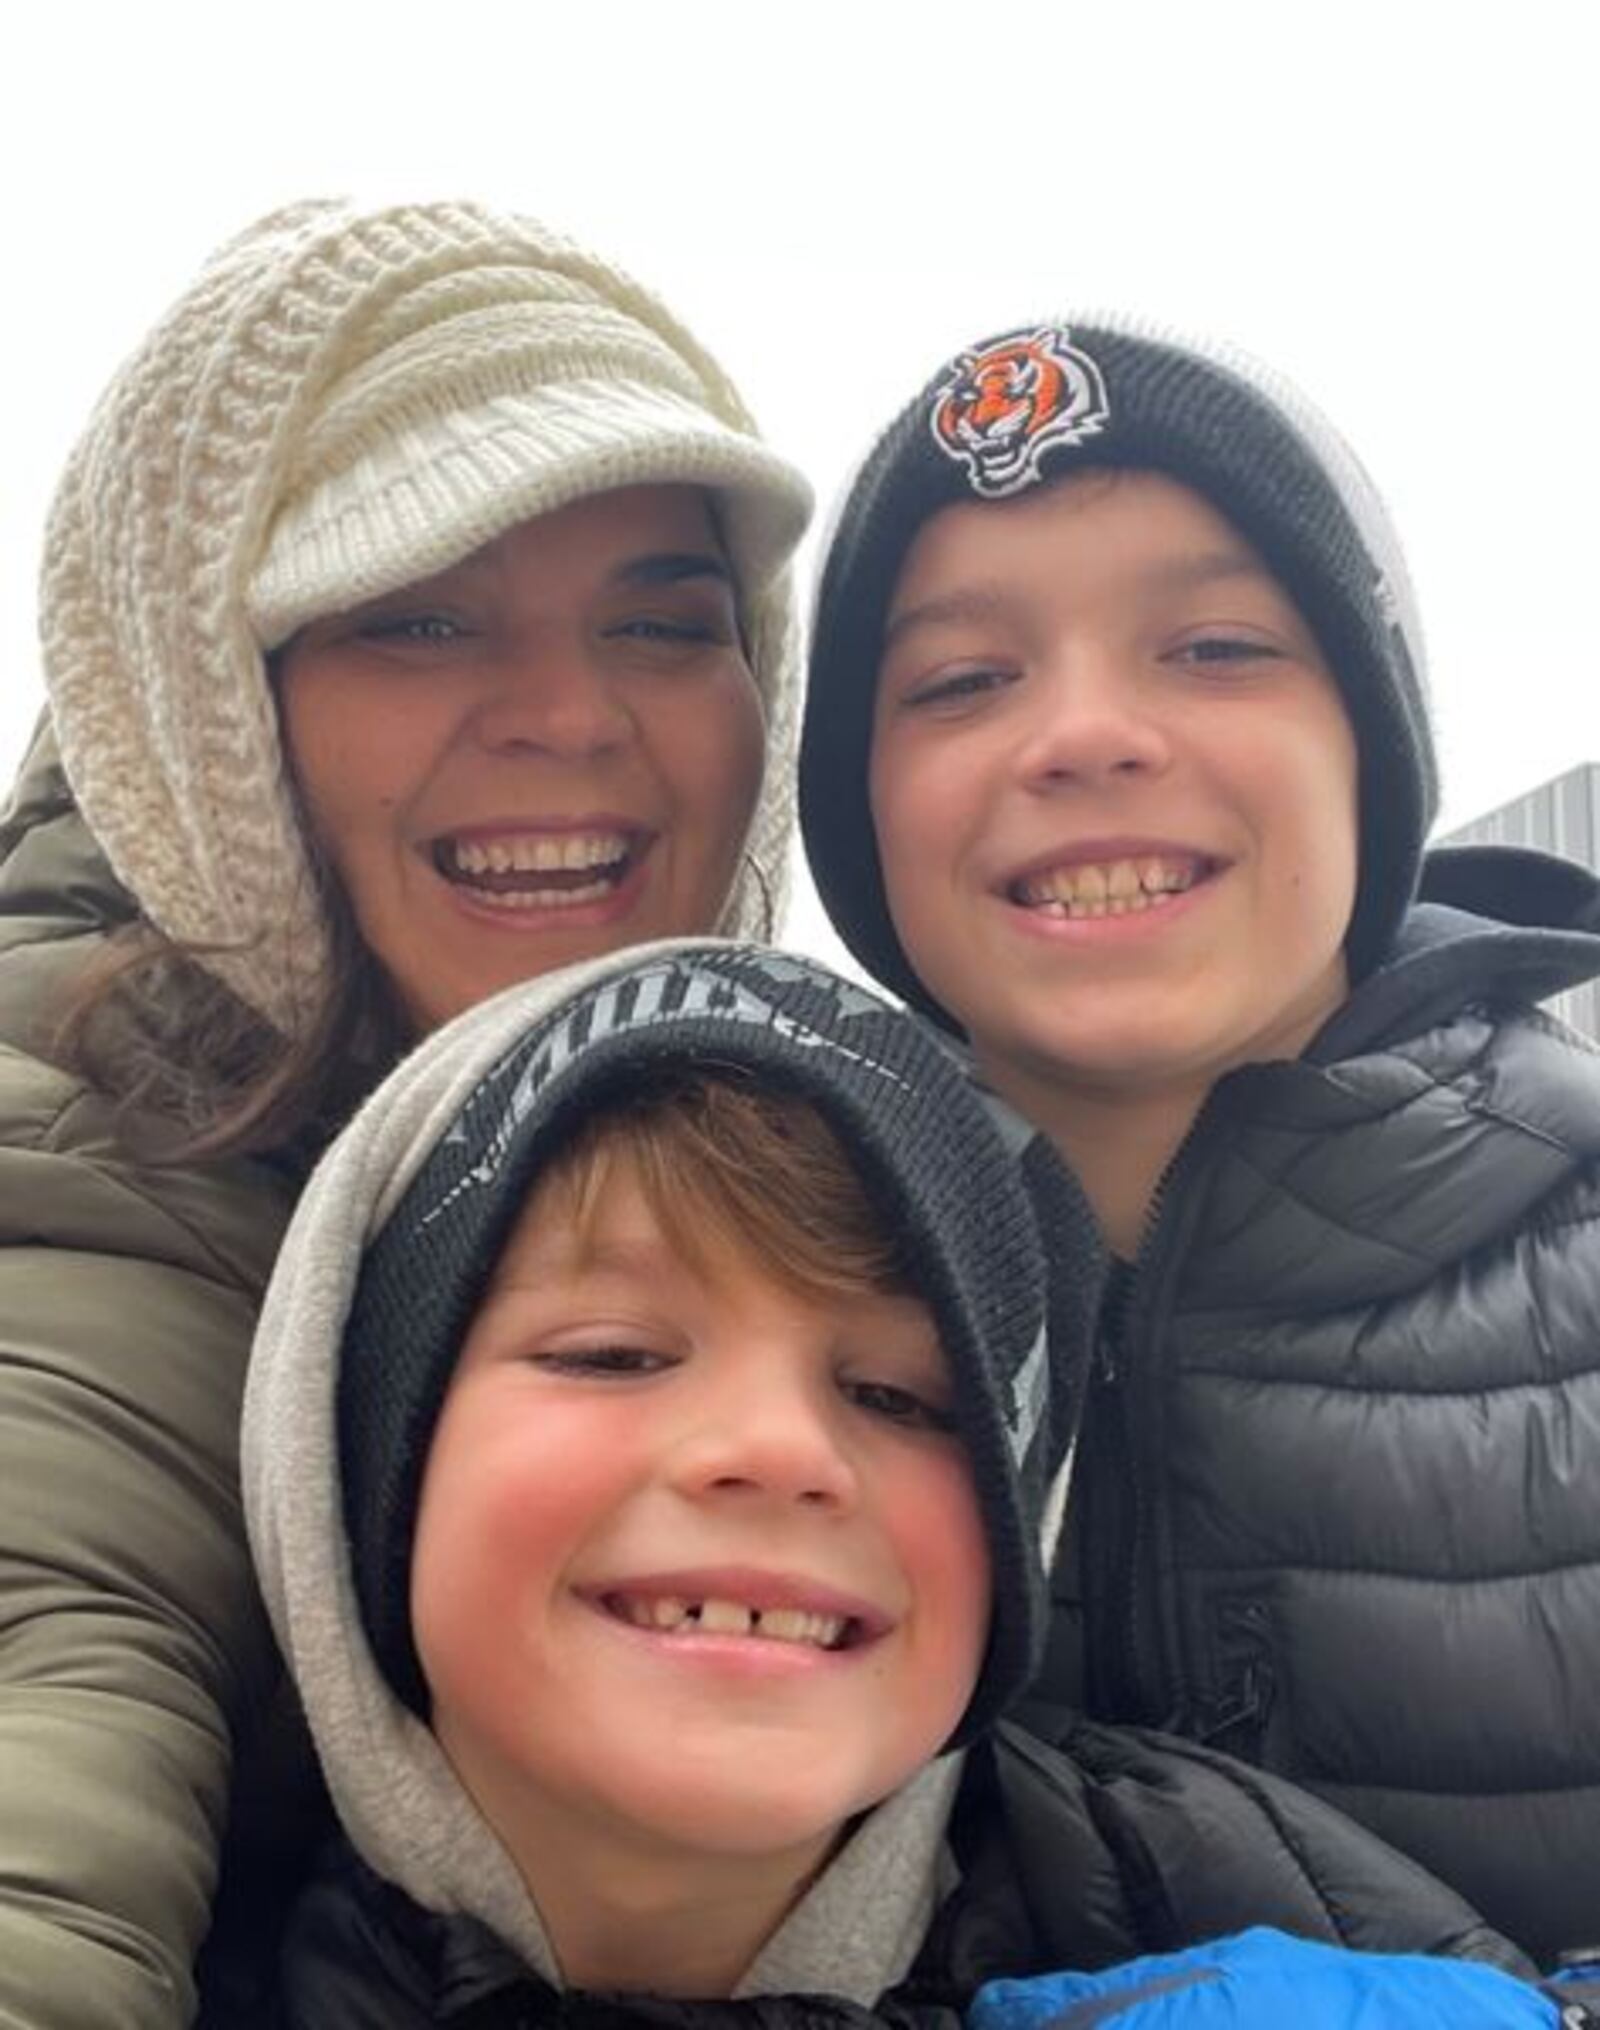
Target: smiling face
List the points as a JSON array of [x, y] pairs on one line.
[[1114, 790], [699, 1570], [548, 751]]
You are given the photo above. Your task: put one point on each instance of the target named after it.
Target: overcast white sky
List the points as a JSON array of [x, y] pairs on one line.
[[1396, 203]]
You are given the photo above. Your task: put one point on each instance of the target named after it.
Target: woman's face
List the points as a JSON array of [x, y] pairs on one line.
[[550, 750]]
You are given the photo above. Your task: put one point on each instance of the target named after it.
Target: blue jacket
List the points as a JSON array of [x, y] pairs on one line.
[[1262, 1978]]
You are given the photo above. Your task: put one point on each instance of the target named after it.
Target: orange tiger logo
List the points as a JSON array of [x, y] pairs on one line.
[[999, 410]]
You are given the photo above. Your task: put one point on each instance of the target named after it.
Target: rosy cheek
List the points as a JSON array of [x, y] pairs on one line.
[[532, 1472], [942, 1530]]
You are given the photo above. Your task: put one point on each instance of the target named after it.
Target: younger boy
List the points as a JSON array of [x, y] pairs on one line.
[[1117, 760], [650, 1443]]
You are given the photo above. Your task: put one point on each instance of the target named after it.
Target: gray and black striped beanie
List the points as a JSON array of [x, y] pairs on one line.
[[1046, 400], [945, 1172]]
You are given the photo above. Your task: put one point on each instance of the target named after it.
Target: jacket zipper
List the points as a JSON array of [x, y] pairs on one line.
[[1111, 1535], [1121, 1616]]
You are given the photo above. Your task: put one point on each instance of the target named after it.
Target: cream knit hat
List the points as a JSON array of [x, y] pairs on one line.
[[345, 401]]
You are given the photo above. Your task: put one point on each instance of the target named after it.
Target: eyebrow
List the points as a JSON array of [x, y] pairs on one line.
[[947, 609], [1206, 567], [672, 567], [651, 567], [986, 599]]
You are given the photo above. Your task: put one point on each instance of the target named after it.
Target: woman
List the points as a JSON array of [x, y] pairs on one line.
[[1117, 759], [415, 621]]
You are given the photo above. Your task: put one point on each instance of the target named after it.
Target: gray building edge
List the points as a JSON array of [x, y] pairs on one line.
[[1560, 816]]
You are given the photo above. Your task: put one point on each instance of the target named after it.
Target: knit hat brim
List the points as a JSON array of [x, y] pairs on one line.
[[429, 494]]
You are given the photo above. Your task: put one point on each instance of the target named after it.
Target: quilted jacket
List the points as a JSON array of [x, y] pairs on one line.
[[1339, 1505], [1081, 1853], [136, 1665]]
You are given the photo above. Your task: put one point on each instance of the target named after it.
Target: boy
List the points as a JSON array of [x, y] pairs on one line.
[[1117, 760], [648, 1456]]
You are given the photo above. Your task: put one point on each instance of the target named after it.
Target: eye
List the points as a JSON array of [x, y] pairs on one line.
[[956, 687], [423, 629], [897, 1404], [678, 622], [601, 1363], [654, 628], [1225, 651]]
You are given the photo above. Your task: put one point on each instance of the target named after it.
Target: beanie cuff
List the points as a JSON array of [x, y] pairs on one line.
[[1035, 405]]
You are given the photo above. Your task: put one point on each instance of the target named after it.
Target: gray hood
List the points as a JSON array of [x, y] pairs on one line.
[[859, 1927]]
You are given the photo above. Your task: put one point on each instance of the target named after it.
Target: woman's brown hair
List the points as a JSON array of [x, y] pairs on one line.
[[196, 1072]]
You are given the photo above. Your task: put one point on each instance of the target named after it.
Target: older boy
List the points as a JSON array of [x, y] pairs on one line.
[[1117, 760], [648, 1456]]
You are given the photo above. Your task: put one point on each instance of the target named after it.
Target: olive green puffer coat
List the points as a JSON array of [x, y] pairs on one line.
[[133, 1650]]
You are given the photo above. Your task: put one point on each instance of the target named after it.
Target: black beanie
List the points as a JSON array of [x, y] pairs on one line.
[[1035, 404], [962, 1188]]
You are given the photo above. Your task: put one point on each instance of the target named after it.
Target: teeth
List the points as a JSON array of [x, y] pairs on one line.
[[534, 899], [794, 1624], [1115, 888], [1122, 880], [725, 1617], [1155, 876], [537, 853], [659, 1613], [730, 1617]]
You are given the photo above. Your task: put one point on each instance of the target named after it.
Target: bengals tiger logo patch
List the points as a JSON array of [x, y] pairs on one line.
[[1000, 409]]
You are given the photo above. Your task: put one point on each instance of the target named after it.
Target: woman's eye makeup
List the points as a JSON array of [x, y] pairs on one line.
[[425, 628], [689, 618], [661, 628]]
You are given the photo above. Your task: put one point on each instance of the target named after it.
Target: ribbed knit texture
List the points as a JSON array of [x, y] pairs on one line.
[[389, 1249], [1208, 415], [343, 402], [928, 1153]]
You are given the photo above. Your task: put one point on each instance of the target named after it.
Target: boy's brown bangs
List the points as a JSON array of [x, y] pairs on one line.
[[729, 1168]]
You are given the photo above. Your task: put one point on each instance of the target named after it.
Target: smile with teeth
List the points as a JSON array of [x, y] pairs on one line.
[[1110, 887], [537, 870], [663, 1614]]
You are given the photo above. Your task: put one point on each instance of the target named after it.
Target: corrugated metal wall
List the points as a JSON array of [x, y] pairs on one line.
[[1562, 816]]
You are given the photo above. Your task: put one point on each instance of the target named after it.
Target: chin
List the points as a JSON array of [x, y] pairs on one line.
[[1144, 1041], [753, 1821]]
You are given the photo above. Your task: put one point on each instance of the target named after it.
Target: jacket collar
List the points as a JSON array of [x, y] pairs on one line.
[[1491, 923]]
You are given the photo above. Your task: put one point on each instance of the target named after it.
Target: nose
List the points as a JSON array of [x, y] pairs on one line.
[[550, 696], [767, 1436], [1091, 721]]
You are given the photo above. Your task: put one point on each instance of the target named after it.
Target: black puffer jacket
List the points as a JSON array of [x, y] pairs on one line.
[[1109, 1844], [1340, 1499]]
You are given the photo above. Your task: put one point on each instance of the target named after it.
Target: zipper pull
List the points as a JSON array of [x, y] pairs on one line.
[[1113, 1323]]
